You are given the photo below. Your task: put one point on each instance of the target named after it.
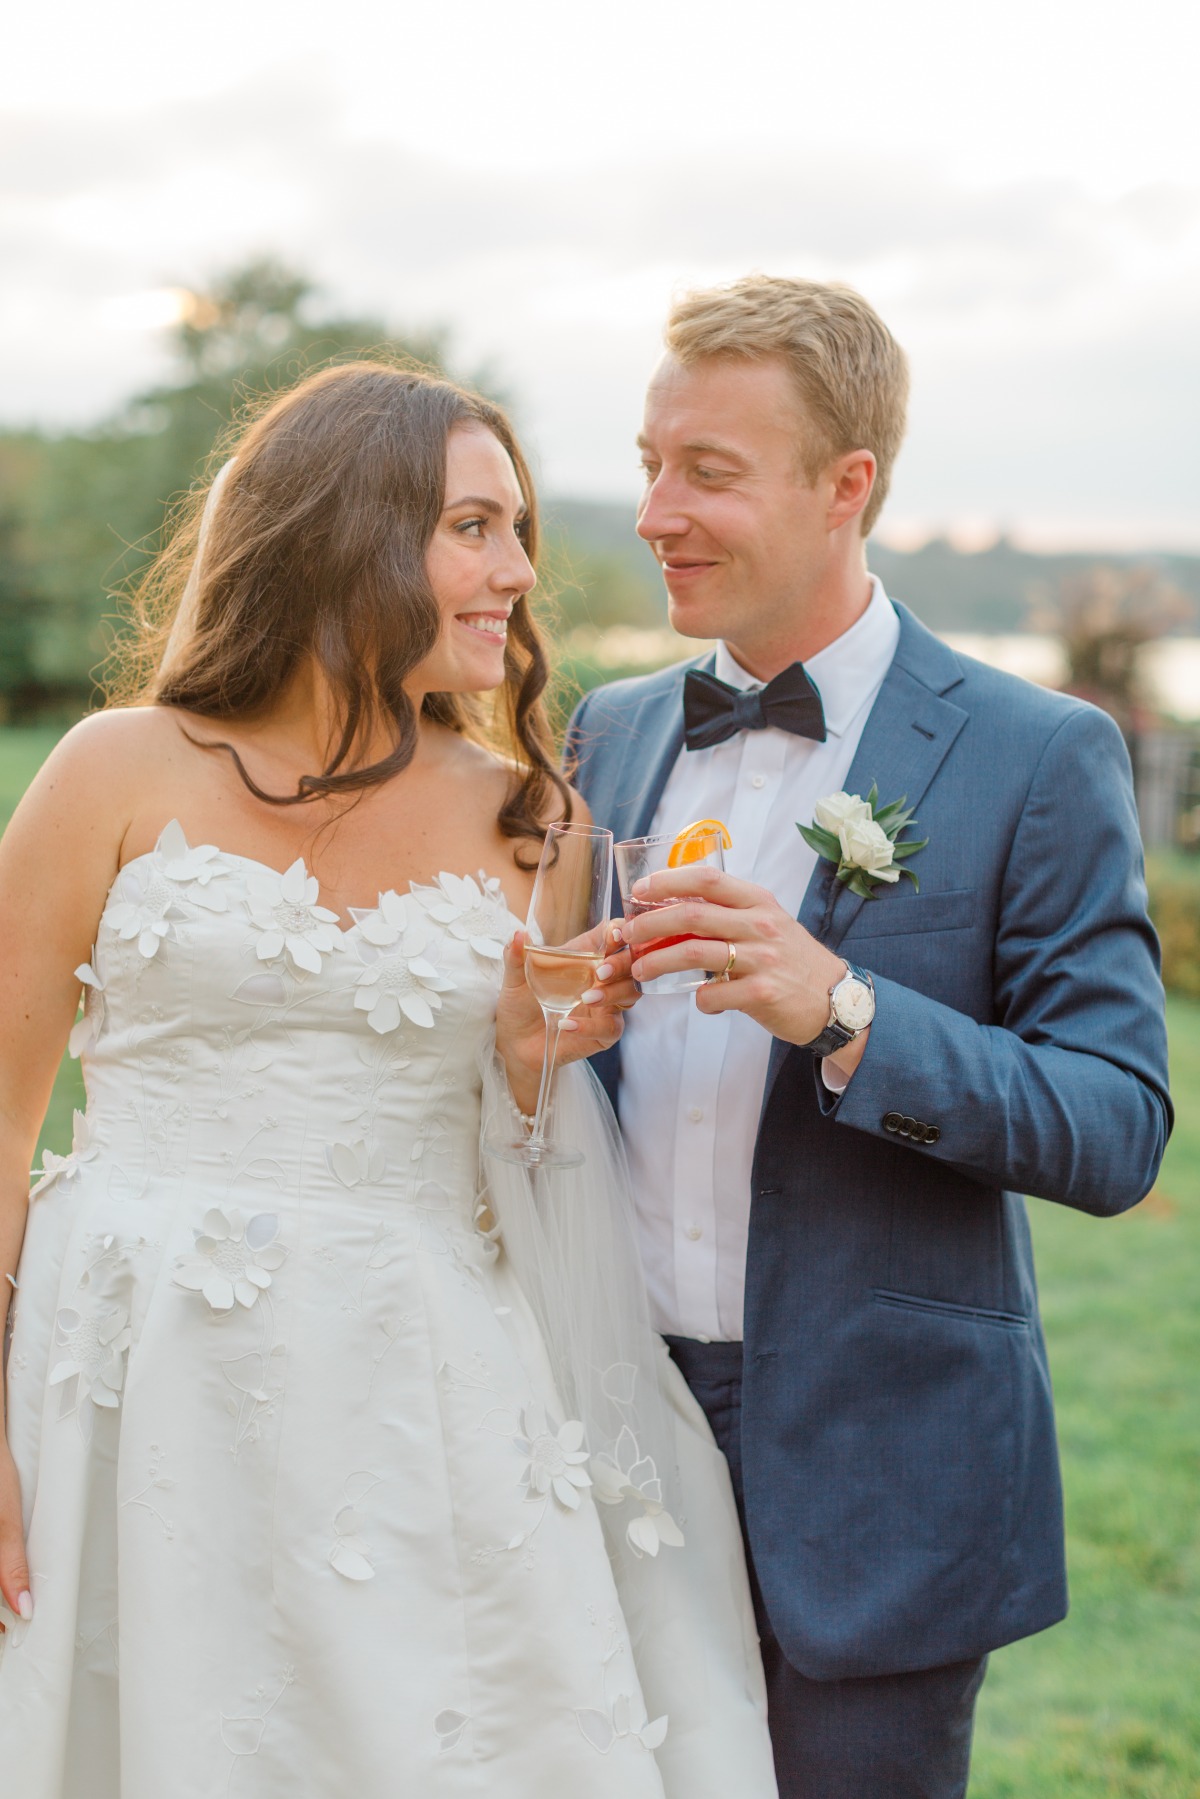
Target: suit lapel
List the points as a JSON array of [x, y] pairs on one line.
[[906, 739], [655, 740], [907, 736]]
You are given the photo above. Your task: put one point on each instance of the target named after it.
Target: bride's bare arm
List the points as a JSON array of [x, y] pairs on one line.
[[58, 858]]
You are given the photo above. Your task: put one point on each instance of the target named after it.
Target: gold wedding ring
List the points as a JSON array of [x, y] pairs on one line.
[[728, 968]]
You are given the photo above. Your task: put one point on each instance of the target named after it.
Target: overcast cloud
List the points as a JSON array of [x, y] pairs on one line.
[[1051, 326]]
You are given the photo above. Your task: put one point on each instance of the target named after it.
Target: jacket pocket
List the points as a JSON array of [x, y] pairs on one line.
[[945, 1308], [899, 910]]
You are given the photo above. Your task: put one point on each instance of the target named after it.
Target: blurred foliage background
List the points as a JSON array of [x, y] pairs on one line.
[[81, 511]]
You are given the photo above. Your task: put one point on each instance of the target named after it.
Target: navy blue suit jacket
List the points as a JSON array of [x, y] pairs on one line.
[[903, 1497]]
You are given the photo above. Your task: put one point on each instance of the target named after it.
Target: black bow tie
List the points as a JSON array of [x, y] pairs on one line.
[[713, 711]]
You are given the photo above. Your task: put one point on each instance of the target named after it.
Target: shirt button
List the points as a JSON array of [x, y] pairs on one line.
[[695, 1113], [758, 780], [694, 1232]]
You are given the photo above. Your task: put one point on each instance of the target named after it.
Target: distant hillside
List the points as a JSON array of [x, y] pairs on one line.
[[615, 578]]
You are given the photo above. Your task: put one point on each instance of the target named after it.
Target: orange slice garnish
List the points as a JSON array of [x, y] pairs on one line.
[[696, 841]]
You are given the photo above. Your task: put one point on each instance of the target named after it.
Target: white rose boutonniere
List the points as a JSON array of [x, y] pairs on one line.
[[860, 838], [838, 809]]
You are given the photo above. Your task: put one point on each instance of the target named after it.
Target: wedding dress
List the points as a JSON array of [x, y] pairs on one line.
[[306, 1511]]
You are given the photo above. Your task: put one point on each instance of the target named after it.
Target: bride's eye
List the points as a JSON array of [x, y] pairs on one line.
[[471, 526]]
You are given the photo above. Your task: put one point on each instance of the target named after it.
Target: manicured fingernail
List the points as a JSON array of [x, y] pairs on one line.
[[25, 1606], [636, 971], [618, 935], [570, 1024], [604, 971], [642, 886], [592, 995]]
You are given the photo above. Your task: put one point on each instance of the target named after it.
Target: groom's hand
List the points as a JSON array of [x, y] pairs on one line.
[[781, 975]]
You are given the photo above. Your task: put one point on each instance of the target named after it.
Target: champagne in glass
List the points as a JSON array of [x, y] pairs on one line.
[[566, 936]]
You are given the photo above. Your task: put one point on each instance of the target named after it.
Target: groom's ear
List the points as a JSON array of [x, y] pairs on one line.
[[851, 480]]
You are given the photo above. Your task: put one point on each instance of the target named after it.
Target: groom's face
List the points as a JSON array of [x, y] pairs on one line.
[[739, 532]]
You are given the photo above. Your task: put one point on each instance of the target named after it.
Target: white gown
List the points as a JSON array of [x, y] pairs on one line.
[[304, 1516]]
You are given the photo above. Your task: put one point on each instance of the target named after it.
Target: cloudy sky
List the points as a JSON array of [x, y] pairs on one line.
[[1016, 187]]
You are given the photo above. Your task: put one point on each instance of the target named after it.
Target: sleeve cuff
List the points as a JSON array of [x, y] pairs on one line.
[[833, 1080]]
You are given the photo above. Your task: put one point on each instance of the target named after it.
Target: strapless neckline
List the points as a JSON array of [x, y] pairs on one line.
[[357, 913]]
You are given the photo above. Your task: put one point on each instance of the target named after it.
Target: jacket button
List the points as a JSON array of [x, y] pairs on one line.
[[909, 1128], [932, 1134], [892, 1121]]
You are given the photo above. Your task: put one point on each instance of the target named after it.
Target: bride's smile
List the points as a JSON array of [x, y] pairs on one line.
[[477, 565]]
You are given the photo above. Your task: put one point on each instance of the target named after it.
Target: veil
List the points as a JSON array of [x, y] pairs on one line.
[[184, 624], [570, 1239]]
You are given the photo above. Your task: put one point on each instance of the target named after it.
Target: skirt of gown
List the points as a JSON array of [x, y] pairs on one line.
[[304, 1514]]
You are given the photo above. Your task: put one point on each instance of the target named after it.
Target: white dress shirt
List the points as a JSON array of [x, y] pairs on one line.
[[692, 1086]]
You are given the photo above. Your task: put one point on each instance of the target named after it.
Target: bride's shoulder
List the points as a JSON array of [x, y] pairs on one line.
[[117, 740], [86, 793], [103, 763]]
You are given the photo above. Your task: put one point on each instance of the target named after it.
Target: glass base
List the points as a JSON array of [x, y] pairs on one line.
[[533, 1155], [680, 980]]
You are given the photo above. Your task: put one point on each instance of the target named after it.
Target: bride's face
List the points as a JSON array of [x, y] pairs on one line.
[[476, 564]]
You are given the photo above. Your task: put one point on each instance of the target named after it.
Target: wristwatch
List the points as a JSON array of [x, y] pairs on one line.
[[851, 1009]]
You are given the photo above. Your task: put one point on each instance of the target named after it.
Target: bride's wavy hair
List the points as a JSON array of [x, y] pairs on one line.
[[313, 545]]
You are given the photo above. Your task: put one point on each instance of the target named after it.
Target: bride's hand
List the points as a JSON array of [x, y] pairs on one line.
[[14, 1569], [595, 1024]]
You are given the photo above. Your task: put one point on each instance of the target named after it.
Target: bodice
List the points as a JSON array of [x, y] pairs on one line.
[[235, 1035]]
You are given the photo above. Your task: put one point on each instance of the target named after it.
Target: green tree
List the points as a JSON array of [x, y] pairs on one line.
[[80, 513], [254, 330]]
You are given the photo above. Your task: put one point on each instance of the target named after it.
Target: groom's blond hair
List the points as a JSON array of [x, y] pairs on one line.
[[850, 374]]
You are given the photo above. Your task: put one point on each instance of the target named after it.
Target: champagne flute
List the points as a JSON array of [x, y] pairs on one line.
[[566, 940]]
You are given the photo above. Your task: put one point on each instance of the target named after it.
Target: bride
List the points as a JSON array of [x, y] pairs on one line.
[[337, 1459]]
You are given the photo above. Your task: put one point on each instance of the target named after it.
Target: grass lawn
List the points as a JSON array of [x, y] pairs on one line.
[[1107, 1706]]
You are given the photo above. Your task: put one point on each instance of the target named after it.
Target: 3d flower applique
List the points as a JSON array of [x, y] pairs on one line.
[[449, 1727], [233, 1261], [95, 1342], [625, 1717], [198, 867], [66, 1168], [284, 910], [350, 1554], [473, 911], [149, 894], [398, 980], [89, 1025], [556, 1458], [357, 1163], [627, 1474], [146, 908]]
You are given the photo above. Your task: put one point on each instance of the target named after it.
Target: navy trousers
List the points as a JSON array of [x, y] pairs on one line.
[[896, 1736]]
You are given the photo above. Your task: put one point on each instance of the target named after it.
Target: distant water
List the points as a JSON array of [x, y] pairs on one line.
[[1172, 666]]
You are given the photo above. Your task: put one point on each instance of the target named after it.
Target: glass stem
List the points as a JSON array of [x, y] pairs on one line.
[[554, 1025]]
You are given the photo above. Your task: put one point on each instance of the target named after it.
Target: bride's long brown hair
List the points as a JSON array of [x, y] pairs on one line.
[[315, 547]]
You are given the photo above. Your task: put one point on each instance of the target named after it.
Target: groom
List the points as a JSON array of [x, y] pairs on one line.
[[828, 1147]]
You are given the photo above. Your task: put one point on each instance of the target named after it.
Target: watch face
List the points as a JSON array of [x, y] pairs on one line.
[[854, 1004]]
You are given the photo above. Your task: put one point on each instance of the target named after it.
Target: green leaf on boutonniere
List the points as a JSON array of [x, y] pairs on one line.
[[873, 852], [857, 883], [887, 815], [824, 842]]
